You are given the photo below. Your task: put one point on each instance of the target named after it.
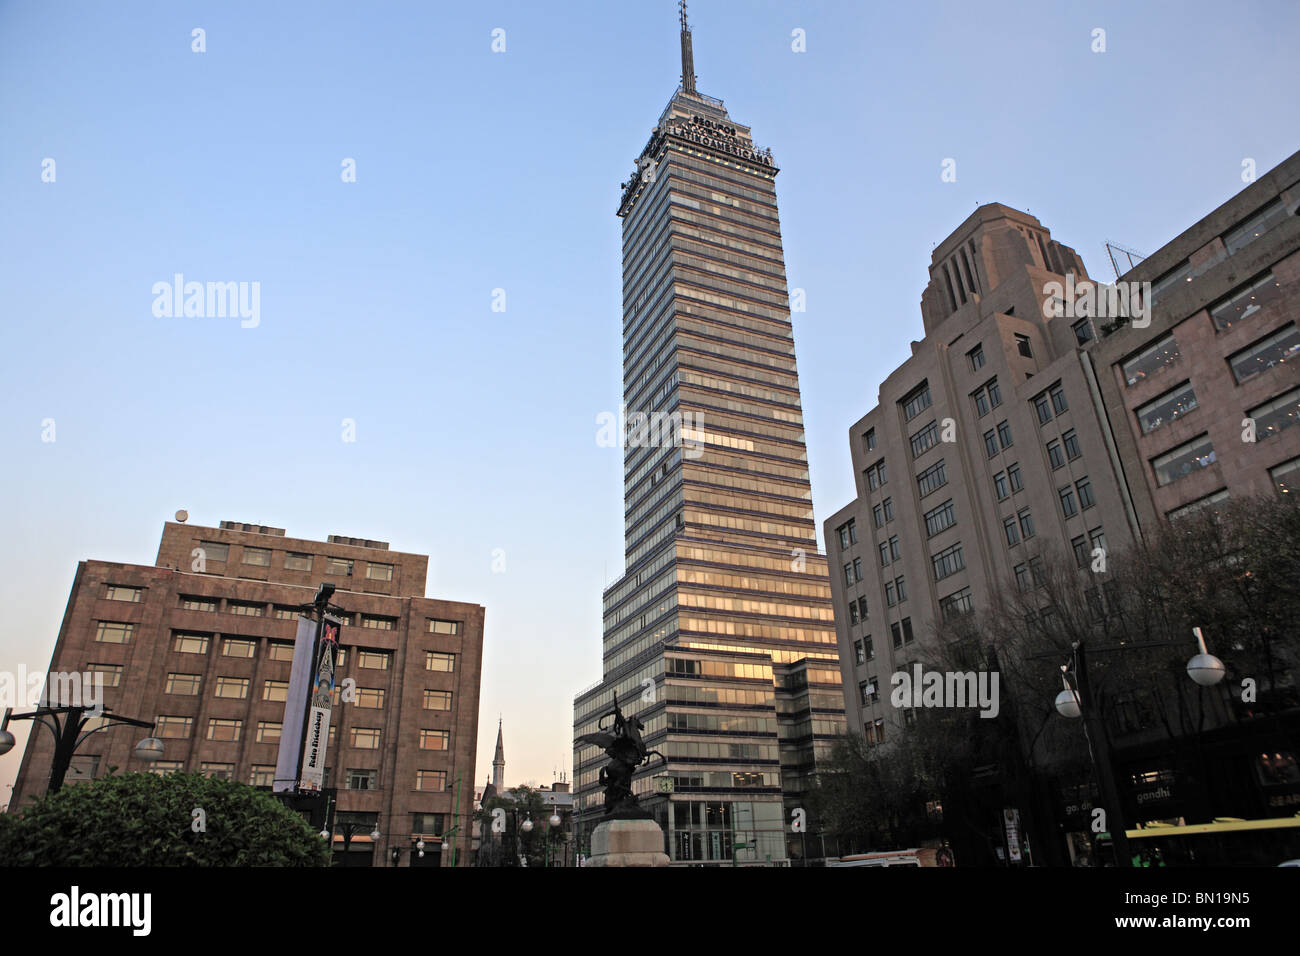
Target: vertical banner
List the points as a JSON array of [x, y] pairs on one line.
[[1011, 820], [312, 778], [295, 708]]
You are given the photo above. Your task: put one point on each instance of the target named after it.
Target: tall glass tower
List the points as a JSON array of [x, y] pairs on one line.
[[720, 634]]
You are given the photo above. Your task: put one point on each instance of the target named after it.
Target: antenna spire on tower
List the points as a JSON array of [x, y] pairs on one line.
[[688, 55]]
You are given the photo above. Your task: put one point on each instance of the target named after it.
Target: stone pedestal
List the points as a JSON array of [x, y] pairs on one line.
[[627, 843]]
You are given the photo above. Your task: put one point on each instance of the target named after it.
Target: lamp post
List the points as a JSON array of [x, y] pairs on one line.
[[552, 822], [1205, 669], [68, 735]]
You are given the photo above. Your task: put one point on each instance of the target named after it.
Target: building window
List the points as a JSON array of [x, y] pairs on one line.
[[1176, 276], [1009, 528], [900, 585], [1245, 301], [444, 627], [1198, 504], [1173, 404], [848, 533], [859, 655], [371, 698], [1286, 476], [185, 684], [1004, 434], [875, 732], [379, 572], [365, 738], [257, 557], [431, 780], [215, 551], [1000, 486], [1084, 487], [1151, 360], [438, 661], [234, 647], [848, 574], [245, 609], [871, 439], [862, 607], [294, 561], [362, 779], [990, 443], [988, 396], [1043, 407], [1013, 476], [190, 602], [888, 506], [110, 674], [164, 767], [1067, 502], [435, 739], [1254, 227], [940, 518], [876, 475], [275, 690], [1097, 538], [1022, 577], [1026, 524], [932, 479], [1054, 454], [114, 632], [1071, 441], [1022, 345], [268, 731], [1277, 415], [373, 660], [217, 771], [190, 643], [1182, 461], [1080, 546], [222, 729], [878, 516], [947, 562], [437, 700], [118, 592], [976, 356], [1275, 349], [376, 623], [956, 604], [917, 402], [173, 727], [1058, 399], [428, 824], [284, 613], [853, 612], [233, 688], [857, 569], [890, 597], [340, 566], [279, 651], [867, 692], [261, 775], [925, 439], [1082, 331]]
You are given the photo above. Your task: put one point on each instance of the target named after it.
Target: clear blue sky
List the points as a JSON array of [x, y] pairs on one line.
[[476, 171]]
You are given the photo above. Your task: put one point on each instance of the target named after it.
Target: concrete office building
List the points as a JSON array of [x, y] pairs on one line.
[[985, 451], [1221, 348], [719, 635], [202, 641]]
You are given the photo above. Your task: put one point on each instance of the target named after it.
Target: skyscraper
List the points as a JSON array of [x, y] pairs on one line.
[[720, 635]]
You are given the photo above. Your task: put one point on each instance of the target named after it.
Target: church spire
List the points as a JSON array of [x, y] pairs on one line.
[[688, 56], [499, 762]]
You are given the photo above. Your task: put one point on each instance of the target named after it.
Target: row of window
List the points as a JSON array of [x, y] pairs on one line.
[[219, 552], [993, 438], [1276, 348], [1084, 489], [194, 602]]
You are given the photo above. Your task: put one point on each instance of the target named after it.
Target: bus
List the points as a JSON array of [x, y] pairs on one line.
[[918, 856], [1228, 841]]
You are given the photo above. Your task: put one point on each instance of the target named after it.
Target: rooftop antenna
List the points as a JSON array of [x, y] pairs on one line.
[[1121, 258], [688, 56]]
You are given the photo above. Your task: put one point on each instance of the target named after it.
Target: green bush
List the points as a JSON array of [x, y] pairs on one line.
[[143, 819]]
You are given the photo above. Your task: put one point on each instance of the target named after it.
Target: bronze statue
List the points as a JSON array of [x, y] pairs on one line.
[[627, 753]]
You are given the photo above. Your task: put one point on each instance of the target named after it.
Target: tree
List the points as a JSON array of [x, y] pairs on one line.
[[501, 849], [144, 819]]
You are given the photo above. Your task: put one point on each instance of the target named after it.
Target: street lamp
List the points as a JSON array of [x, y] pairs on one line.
[[68, 734], [1067, 701], [1206, 669]]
